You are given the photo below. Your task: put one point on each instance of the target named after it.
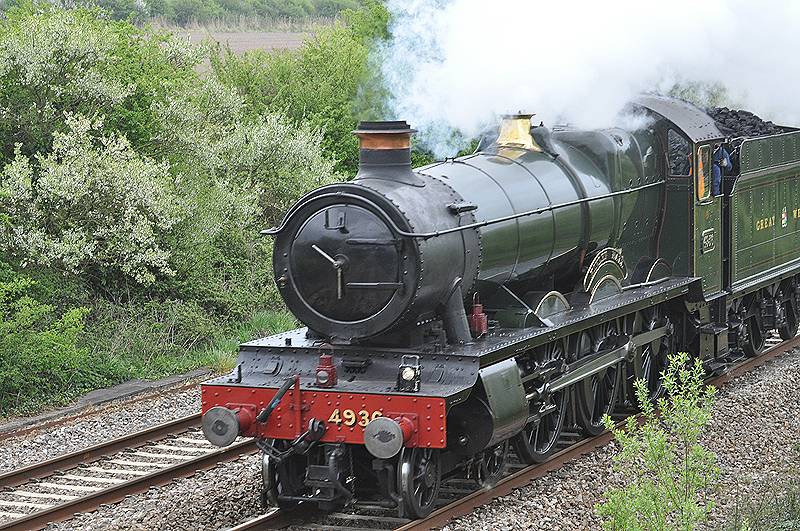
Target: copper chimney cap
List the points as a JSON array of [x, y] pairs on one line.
[[384, 135]]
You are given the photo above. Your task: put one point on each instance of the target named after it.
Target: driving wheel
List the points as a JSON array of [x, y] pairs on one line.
[[597, 394]]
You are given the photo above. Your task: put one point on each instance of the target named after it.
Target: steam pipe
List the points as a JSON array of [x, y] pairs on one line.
[[454, 318]]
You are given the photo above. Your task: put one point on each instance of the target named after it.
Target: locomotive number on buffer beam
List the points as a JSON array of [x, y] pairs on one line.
[[348, 417]]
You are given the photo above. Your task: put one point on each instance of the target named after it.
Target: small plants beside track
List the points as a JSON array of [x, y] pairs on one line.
[[671, 474]]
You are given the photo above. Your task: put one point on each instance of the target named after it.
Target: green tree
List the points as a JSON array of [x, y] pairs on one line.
[[55, 62], [194, 11], [126, 9], [701, 93], [139, 193], [322, 82], [269, 160], [154, 65], [666, 468], [50, 62], [245, 172]]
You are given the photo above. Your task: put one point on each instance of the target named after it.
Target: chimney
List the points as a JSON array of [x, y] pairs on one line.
[[385, 152]]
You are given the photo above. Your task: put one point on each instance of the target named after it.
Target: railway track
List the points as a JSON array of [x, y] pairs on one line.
[[469, 497], [56, 489], [79, 482]]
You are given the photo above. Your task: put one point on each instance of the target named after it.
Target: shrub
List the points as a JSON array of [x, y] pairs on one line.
[[51, 62], [132, 187], [40, 352], [57, 62], [93, 207], [776, 507], [324, 82], [257, 166], [666, 468]]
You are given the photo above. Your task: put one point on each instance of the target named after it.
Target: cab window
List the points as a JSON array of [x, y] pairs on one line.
[[680, 154], [704, 176]]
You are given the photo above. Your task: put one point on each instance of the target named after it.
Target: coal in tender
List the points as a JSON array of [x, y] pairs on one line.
[[740, 123]]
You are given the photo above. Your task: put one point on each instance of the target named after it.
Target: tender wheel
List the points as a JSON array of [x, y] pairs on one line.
[[654, 357], [288, 479], [596, 395], [788, 329], [538, 439], [419, 480], [488, 469], [754, 344]]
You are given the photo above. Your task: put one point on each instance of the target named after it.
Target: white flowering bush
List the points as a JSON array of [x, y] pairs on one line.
[[91, 204], [52, 61], [132, 193], [280, 161], [268, 158], [238, 174]]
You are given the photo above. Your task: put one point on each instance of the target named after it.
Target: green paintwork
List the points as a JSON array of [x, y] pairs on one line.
[[506, 397], [758, 154], [515, 318], [707, 230], [676, 237], [765, 209], [501, 185], [707, 244]]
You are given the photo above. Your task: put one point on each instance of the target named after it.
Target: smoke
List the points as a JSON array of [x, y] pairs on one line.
[[460, 63]]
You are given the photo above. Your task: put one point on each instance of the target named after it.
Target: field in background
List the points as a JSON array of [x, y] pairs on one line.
[[242, 42]]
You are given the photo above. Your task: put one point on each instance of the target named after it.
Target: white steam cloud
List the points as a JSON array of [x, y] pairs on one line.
[[460, 63]]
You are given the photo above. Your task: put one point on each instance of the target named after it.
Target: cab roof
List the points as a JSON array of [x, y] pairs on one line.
[[693, 121]]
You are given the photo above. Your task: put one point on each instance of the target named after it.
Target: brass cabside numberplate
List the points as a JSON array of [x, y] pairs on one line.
[[708, 240]]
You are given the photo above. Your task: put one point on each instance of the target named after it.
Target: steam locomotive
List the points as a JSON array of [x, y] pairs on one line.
[[500, 298]]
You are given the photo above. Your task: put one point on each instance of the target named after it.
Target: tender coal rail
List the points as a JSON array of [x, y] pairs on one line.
[[56, 489]]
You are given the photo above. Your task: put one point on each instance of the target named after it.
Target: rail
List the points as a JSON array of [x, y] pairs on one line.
[[115, 489]]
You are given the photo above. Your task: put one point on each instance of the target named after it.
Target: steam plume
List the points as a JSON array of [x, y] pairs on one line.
[[459, 63]]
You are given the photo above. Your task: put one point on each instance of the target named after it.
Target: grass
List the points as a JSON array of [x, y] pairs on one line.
[[776, 508], [246, 23], [222, 355], [142, 348]]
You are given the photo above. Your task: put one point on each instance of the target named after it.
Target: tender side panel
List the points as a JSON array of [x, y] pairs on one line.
[[345, 414], [765, 209]]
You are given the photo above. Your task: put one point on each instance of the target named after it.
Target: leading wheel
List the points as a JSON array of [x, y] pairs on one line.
[[538, 440], [419, 480], [488, 469], [597, 394]]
